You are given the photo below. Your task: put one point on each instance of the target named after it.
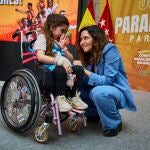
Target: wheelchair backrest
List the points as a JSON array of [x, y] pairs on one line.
[[27, 52], [29, 59]]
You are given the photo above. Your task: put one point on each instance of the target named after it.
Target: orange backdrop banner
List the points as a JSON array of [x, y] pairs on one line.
[[9, 17], [131, 23]]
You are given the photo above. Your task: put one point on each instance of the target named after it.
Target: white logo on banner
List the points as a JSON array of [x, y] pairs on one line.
[[144, 4], [135, 24], [10, 2]]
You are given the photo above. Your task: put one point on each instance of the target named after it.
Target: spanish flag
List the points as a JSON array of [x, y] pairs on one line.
[[89, 16]]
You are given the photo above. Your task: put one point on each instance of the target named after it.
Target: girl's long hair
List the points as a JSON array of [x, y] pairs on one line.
[[53, 20], [99, 41]]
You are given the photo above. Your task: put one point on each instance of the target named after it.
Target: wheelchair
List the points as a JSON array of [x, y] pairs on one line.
[[28, 95]]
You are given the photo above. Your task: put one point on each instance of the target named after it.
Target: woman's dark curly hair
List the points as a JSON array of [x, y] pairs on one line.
[[99, 41], [53, 20]]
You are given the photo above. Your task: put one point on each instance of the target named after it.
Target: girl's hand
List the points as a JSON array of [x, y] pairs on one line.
[[62, 42], [67, 67]]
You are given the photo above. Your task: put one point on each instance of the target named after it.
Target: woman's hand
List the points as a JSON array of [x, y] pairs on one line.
[[77, 62], [67, 67]]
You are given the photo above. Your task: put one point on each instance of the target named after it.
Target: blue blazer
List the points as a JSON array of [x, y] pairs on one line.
[[110, 71]]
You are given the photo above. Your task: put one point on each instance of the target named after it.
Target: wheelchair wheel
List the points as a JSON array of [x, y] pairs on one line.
[[41, 136], [18, 102], [37, 96], [71, 124]]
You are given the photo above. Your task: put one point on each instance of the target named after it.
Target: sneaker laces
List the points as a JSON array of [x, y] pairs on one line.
[[78, 98], [63, 102], [64, 99], [78, 94], [69, 100], [61, 99]]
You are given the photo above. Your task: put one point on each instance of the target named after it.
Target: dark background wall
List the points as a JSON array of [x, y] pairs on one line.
[[10, 58]]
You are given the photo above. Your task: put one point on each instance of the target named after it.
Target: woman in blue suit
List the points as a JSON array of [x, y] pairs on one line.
[[105, 85]]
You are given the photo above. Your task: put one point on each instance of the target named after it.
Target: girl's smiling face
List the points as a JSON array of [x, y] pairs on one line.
[[59, 31], [86, 41]]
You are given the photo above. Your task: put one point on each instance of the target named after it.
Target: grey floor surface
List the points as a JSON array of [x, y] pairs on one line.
[[134, 136]]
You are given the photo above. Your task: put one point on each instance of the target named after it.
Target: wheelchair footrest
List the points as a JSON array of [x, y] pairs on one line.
[[78, 111]]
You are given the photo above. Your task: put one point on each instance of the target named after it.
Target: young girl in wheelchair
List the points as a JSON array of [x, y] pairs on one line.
[[52, 53]]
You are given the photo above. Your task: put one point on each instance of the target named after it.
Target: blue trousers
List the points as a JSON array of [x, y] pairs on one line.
[[103, 101]]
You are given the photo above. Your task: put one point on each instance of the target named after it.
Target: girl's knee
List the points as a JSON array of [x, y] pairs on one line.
[[59, 70]]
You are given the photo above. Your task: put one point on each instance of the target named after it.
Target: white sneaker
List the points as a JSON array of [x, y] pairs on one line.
[[77, 103], [63, 104]]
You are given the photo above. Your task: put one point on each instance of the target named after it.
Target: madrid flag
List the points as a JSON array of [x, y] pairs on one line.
[[89, 16], [105, 23]]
